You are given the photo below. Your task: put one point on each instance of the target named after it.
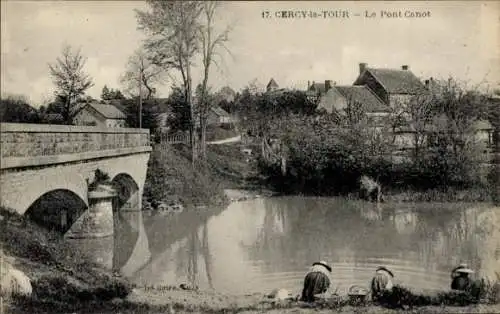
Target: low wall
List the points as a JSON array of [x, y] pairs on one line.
[[33, 140]]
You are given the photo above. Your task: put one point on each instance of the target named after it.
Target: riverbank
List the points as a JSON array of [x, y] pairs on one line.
[[171, 179], [65, 281], [149, 299], [62, 278]]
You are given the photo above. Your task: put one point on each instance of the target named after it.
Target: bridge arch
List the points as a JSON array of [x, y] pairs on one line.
[[128, 191], [57, 209], [19, 193]]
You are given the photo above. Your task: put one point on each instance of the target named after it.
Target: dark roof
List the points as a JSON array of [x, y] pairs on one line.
[[397, 81], [364, 96], [108, 111], [219, 111], [272, 83]]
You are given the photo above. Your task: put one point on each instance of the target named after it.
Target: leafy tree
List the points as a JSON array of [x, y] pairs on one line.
[[179, 119], [70, 79], [105, 93], [16, 109], [111, 94], [150, 111]]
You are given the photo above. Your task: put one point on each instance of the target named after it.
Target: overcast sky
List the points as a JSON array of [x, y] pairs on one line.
[[461, 39]]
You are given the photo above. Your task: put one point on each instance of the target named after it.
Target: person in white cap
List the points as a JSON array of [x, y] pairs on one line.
[[381, 282], [460, 278], [317, 281]]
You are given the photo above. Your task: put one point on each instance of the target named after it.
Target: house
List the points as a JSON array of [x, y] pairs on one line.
[[272, 86], [218, 116], [393, 86], [483, 135], [102, 115], [337, 99]]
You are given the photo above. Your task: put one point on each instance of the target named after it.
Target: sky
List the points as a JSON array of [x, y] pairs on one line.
[[458, 39]]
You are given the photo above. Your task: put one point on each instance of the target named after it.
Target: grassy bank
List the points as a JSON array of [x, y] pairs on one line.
[[62, 278], [171, 179]]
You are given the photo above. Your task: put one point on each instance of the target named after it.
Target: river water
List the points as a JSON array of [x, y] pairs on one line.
[[266, 243]]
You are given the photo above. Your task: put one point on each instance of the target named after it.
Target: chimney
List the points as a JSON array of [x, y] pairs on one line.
[[362, 67], [308, 85], [405, 67], [328, 85], [426, 83]]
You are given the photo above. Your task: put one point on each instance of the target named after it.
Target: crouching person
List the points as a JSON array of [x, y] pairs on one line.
[[381, 283], [460, 278], [317, 281]]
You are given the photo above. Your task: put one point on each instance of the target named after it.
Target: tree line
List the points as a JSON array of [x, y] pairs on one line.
[[328, 152]]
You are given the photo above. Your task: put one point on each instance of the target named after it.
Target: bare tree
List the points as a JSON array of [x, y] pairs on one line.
[[211, 42], [140, 71], [70, 79], [414, 117], [173, 42], [462, 106]]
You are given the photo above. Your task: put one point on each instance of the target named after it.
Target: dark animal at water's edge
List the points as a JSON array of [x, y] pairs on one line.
[[370, 190]]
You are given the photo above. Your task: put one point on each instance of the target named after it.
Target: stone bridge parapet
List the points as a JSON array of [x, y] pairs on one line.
[[37, 159], [32, 140]]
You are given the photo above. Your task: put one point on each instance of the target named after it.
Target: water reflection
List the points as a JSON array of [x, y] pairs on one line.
[[262, 244], [126, 252]]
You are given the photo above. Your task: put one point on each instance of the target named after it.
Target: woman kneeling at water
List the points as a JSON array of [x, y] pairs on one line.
[[460, 278], [382, 281], [317, 281]]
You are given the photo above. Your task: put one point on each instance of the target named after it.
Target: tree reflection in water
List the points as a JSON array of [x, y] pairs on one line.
[[206, 254], [269, 243], [194, 248]]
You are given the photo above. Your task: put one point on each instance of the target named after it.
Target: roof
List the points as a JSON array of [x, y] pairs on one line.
[[272, 83], [396, 81], [219, 111], [108, 111], [364, 96]]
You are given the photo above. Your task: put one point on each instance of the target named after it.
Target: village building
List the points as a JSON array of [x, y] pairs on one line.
[[101, 115], [338, 98], [218, 116], [393, 86], [272, 86], [380, 92]]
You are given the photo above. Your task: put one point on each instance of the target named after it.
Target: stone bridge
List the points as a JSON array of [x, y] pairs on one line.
[[46, 170]]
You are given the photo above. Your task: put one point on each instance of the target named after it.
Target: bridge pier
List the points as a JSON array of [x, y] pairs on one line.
[[97, 221]]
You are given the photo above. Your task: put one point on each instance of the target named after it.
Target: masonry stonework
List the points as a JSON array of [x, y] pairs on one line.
[[37, 159]]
